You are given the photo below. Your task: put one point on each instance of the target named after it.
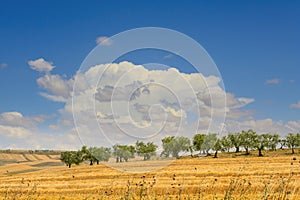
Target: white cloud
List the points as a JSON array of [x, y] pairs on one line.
[[263, 126], [274, 81], [103, 40], [59, 89], [3, 65], [296, 105], [54, 127], [41, 65], [233, 102], [239, 114], [17, 119], [23, 132], [293, 126], [132, 100], [143, 101], [125, 82], [14, 132]]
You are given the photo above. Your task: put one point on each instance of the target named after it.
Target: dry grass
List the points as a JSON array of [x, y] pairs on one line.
[[272, 177]]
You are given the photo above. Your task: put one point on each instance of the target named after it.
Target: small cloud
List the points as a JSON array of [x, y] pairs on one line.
[[3, 65], [292, 81], [41, 65], [104, 41], [54, 127], [296, 105], [274, 81], [168, 56]]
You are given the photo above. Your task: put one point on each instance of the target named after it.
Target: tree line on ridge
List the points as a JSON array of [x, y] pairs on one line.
[[175, 146]]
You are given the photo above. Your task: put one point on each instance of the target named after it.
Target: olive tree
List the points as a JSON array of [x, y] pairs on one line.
[[226, 143], [198, 140], [247, 139], [273, 140], [209, 142], [123, 152], [71, 157], [236, 141], [174, 145], [100, 154], [293, 141], [218, 147], [260, 142], [145, 150]]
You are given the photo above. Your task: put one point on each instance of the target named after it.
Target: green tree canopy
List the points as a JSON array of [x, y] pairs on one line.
[[273, 140], [218, 147], [123, 152], [293, 141], [226, 143], [198, 140], [71, 157], [145, 150], [260, 142], [174, 145], [247, 139], [209, 142], [236, 141], [100, 154]]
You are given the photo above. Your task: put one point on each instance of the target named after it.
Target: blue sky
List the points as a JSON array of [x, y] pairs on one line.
[[255, 45]]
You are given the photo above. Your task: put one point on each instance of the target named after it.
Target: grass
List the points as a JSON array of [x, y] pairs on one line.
[[48, 164], [23, 171], [5, 162], [275, 176]]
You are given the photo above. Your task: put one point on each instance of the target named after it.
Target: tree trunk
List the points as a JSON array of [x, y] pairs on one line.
[[91, 162], [97, 162], [216, 154], [237, 149], [260, 153], [293, 150], [247, 151], [69, 165]]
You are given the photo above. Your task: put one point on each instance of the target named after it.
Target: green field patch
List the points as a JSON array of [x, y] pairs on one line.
[[5, 162], [48, 164], [23, 171]]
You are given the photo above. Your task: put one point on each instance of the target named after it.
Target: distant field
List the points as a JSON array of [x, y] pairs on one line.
[[232, 176]]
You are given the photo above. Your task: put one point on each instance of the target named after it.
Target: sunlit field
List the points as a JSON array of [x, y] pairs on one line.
[[232, 176]]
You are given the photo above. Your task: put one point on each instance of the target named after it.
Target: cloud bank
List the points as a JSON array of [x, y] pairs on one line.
[[123, 102]]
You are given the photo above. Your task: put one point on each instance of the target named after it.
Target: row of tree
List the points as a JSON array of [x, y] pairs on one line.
[[248, 140], [121, 152], [174, 146], [92, 154]]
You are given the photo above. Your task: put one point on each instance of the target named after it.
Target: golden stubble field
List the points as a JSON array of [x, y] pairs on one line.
[[240, 177]]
